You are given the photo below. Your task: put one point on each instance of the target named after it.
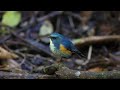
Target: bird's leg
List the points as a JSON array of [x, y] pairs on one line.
[[3, 63], [59, 60]]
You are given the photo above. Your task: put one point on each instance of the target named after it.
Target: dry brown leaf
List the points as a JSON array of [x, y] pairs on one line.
[[12, 65], [96, 69], [86, 15], [4, 54]]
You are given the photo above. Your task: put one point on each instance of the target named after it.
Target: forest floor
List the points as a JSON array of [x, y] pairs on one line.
[[24, 44]]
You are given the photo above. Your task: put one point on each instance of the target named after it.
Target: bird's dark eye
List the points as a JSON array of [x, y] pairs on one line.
[[53, 37]]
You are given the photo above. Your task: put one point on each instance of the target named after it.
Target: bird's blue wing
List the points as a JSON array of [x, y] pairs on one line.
[[68, 44]]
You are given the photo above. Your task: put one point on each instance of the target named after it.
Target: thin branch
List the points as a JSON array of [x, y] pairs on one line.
[[89, 55], [77, 16], [71, 22], [58, 24], [34, 45], [50, 15]]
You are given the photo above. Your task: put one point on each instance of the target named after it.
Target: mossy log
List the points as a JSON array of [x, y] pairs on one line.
[[58, 71]]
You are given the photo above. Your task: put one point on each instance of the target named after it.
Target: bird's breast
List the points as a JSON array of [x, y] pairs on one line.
[[61, 51], [64, 50], [52, 47], [54, 50]]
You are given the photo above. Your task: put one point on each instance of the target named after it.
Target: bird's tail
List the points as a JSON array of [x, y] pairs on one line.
[[80, 54], [74, 49]]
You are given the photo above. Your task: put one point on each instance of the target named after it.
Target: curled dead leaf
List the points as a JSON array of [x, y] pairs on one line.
[[4, 54], [96, 69]]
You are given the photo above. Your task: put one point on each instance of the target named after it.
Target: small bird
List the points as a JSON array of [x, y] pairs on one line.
[[62, 47]]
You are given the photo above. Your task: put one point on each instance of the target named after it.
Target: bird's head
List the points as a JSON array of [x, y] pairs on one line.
[[56, 38]]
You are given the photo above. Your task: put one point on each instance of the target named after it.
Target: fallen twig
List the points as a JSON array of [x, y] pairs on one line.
[[96, 39], [89, 56]]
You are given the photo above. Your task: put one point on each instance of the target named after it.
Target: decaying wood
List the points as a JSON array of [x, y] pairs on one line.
[[63, 72], [66, 73]]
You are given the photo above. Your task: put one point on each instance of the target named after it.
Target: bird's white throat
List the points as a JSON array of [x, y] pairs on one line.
[[52, 47]]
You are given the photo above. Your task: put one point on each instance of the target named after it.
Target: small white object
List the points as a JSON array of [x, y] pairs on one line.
[[79, 62], [79, 67], [46, 28], [77, 73]]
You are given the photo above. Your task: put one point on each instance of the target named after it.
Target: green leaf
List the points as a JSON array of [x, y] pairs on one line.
[[46, 28], [3, 31], [11, 18]]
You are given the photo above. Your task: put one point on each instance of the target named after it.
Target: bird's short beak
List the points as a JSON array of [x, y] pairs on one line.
[[48, 36]]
